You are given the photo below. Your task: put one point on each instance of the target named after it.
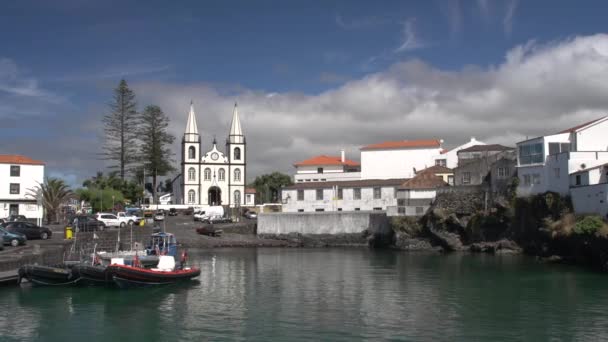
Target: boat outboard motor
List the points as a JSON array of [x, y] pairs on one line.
[[21, 274]]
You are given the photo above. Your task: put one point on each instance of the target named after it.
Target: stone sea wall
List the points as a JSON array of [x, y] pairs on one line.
[[327, 228]]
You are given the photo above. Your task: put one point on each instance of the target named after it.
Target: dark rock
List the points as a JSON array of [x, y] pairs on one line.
[[405, 242], [496, 247]]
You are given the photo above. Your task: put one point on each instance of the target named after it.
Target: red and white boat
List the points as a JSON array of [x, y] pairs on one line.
[[165, 273]]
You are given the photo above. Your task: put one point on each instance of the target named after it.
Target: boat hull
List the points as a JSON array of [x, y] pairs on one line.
[[128, 276], [93, 275], [48, 275]]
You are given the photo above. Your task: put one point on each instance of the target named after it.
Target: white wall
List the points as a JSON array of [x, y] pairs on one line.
[[451, 156], [313, 168], [396, 163], [325, 177], [594, 138], [592, 199], [30, 177], [331, 203]]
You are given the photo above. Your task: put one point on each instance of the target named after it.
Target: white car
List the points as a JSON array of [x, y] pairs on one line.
[[126, 219], [199, 215], [110, 220]]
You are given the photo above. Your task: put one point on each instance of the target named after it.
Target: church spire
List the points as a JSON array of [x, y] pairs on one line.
[[235, 128], [191, 133]]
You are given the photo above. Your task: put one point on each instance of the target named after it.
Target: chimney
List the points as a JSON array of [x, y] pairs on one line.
[[473, 139], [342, 156]]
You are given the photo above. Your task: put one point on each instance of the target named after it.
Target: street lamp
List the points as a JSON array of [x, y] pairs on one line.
[[112, 203]]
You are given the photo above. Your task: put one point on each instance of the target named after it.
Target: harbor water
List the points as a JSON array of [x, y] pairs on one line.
[[326, 294]]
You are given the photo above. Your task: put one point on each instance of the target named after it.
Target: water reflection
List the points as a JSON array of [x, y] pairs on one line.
[[326, 294]]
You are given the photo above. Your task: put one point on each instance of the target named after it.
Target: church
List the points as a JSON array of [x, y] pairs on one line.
[[213, 177]]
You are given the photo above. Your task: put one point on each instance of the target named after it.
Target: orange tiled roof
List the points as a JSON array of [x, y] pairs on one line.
[[17, 159], [576, 128], [403, 144], [250, 190], [424, 180], [326, 160], [435, 169]]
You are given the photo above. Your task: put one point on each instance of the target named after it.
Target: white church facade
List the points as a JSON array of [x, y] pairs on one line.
[[213, 177]]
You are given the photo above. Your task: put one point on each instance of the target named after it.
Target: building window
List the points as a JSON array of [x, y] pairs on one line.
[[191, 174], [555, 148], [377, 209], [556, 170], [502, 172], [319, 170], [15, 170], [237, 197], [377, 193], [339, 209], [441, 162], [401, 210], [357, 193], [319, 194], [466, 178], [319, 209], [451, 180], [527, 180], [419, 210], [237, 153], [531, 154], [207, 174], [300, 195], [357, 209], [340, 194], [536, 178], [300, 210], [14, 189], [221, 175], [191, 195], [237, 175], [191, 152], [401, 202], [578, 180]]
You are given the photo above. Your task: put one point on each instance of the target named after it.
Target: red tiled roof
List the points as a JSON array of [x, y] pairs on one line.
[[424, 180], [17, 159], [326, 160], [403, 144], [576, 128], [250, 191], [435, 169]]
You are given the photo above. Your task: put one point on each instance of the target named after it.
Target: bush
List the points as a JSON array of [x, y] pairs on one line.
[[588, 224], [406, 224]]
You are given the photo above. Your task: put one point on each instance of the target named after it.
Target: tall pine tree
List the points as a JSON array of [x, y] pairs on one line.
[[120, 129], [156, 144]]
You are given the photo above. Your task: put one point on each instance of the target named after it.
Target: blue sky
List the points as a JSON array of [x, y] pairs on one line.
[[294, 66]]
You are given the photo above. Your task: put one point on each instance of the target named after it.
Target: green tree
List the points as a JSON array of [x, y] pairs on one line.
[[269, 186], [130, 191], [155, 144], [52, 194], [120, 129]]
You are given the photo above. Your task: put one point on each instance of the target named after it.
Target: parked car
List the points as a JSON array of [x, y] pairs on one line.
[[209, 230], [159, 216], [172, 212], [110, 220], [86, 223], [127, 219], [30, 230], [16, 218], [13, 239], [199, 215], [251, 215], [189, 211], [216, 219]]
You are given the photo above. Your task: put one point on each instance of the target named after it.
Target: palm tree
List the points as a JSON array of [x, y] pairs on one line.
[[52, 194]]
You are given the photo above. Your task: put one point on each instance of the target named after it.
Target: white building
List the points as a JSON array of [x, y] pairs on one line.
[[449, 158], [398, 159], [589, 190], [367, 194], [415, 196], [327, 168], [213, 177], [20, 175], [545, 163], [250, 194]]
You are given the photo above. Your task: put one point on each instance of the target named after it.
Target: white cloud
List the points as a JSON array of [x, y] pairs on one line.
[[409, 39], [14, 83], [537, 89], [508, 19]]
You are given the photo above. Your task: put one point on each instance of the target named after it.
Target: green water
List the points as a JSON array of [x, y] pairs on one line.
[[326, 294]]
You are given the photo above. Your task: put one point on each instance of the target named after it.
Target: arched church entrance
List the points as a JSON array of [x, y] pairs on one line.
[[215, 196]]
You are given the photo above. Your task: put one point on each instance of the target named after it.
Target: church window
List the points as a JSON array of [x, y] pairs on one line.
[[221, 175], [237, 153], [237, 197], [237, 175], [207, 174], [191, 174], [191, 195], [191, 152]]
